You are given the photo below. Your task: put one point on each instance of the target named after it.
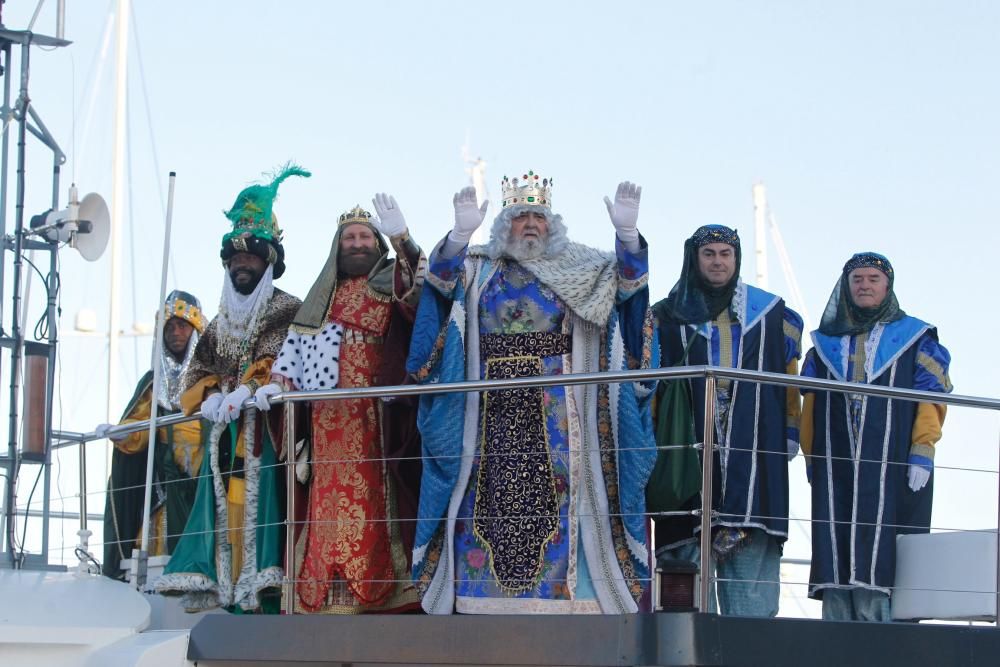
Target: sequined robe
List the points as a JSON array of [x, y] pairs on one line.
[[358, 459], [546, 485], [240, 488], [350, 552]]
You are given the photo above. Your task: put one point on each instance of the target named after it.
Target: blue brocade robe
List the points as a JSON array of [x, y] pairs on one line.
[[860, 451], [558, 526]]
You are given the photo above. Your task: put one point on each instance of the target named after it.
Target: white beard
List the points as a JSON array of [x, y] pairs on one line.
[[525, 249]]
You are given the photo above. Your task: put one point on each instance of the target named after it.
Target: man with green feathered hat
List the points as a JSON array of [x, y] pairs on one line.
[[231, 552]]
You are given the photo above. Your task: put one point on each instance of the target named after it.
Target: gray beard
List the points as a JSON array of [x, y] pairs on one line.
[[525, 249]]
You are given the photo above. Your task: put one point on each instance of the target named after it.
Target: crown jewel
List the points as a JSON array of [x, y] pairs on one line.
[[356, 215], [531, 189]]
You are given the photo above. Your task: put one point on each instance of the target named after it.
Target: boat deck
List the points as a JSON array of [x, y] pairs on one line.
[[673, 639]]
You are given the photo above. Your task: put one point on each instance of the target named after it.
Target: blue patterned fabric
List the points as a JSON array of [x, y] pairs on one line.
[[512, 301]]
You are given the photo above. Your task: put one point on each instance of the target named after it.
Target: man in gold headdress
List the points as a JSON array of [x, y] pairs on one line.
[[177, 453], [359, 482]]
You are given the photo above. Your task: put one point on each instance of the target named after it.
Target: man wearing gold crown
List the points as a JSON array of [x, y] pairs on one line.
[[231, 552], [178, 450], [355, 534], [531, 500]]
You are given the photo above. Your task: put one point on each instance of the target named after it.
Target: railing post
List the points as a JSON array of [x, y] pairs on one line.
[[290, 507], [707, 461]]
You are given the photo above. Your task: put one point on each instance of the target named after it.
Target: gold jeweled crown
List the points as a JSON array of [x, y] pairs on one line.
[[354, 216], [531, 189]]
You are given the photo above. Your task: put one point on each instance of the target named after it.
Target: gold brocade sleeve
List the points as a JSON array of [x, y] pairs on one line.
[[409, 271], [136, 442], [184, 433], [806, 426], [927, 429], [192, 398], [258, 374]]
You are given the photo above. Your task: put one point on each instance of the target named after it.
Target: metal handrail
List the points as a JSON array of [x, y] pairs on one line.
[[604, 377], [711, 375]]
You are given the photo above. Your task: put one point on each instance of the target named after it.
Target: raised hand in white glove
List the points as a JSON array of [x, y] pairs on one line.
[[918, 477], [262, 397], [468, 216], [210, 406], [232, 404], [390, 219], [624, 214]]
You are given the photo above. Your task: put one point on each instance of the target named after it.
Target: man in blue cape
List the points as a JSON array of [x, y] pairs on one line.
[[722, 321], [869, 459], [531, 500]]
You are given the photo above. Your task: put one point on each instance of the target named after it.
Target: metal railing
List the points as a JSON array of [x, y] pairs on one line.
[[710, 374]]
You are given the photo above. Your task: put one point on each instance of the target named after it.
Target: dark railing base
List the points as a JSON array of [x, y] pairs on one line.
[[646, 639]]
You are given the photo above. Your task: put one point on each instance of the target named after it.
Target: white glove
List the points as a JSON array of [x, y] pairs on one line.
[[262, 397], [101, 431], [390, 219], [210, 406], [232, 404], [918, 477], [625, 213], [793, 448], [468, 216]]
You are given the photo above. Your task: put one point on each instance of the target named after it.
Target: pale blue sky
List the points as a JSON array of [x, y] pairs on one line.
[[873, 126]]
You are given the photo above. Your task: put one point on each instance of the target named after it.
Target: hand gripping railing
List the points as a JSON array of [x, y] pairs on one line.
[[711, 374]]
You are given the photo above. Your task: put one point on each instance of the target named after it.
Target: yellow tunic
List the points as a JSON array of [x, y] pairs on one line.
[[187, 453]]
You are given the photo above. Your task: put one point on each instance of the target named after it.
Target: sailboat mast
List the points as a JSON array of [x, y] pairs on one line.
[[118, 194], [760, 234]]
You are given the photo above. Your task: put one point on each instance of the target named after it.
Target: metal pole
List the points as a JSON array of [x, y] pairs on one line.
[[8, 115], [84, 533], [61, 19], [117, 199], [161, 323], [50, 382], [997, 620], [4, 155], [707, 461], [290, 505], [17, 336]]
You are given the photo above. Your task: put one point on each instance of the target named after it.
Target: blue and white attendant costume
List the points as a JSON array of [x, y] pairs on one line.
[[756, 425], [532, 500], [864, 453]]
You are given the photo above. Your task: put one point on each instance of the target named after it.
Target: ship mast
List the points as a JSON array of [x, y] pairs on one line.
[[118, 194]]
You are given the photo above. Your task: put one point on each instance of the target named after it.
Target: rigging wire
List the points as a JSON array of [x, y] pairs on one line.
[[131, 227], [149, 125]]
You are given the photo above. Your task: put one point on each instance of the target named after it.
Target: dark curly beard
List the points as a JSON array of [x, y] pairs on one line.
[[250, 284], [357, 263]]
